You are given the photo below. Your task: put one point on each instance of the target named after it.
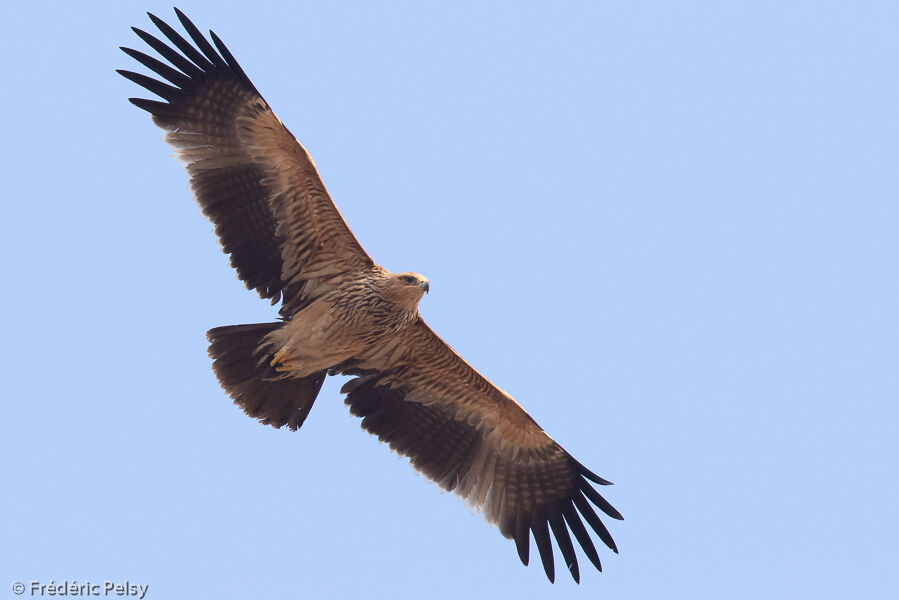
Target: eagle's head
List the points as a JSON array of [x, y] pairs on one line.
[[406, 288]]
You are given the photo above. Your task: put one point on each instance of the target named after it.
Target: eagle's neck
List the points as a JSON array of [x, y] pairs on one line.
[[368, 302]]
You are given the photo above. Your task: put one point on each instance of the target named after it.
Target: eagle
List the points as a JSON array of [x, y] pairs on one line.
[[343, 314]]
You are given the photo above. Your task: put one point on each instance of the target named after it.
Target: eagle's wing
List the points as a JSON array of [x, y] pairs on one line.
[[470, 437], [251, 177]]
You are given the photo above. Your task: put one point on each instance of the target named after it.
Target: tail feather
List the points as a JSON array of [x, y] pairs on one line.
[[243, 369]]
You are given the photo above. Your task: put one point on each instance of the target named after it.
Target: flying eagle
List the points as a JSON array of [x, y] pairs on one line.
[[343, 314]]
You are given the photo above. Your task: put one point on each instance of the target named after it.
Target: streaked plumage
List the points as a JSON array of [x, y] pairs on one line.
[[344, 314]]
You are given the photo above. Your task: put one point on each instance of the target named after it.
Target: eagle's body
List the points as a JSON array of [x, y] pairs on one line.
[[341, 313], [352, 320]]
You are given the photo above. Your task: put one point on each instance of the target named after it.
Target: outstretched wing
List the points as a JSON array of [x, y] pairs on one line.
[[473, 439], [251, 177]]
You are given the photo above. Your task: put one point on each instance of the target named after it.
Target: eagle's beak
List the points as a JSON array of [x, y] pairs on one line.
[[425, 285]]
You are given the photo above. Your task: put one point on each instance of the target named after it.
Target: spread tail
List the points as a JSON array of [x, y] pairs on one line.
[[244, 370]]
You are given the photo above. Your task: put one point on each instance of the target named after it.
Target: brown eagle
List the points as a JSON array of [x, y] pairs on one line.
[[341, 313]]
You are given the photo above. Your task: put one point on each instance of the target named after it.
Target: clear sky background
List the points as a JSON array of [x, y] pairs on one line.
[[668, 229]]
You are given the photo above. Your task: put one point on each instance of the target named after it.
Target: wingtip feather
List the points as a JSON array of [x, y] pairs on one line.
[[563, 540], [540, 529], [591, 475]]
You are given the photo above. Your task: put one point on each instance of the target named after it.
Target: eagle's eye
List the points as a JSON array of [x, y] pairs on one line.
[[408, 279]]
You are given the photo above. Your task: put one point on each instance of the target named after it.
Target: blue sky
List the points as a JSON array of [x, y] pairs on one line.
[[669, 230]]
